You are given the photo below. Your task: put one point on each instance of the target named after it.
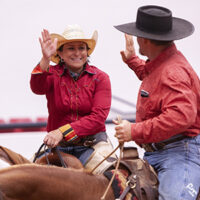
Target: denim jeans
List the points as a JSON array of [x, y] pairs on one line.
[[81, 152], [178, 168]]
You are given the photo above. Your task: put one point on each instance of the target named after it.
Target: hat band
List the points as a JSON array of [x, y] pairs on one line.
[[154, 23]]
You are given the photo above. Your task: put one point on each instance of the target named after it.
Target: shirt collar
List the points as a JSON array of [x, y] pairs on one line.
[[89, 69], [164, 55]]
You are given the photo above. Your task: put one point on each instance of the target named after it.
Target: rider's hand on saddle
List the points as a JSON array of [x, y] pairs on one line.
[[53, 138], [123, 131]]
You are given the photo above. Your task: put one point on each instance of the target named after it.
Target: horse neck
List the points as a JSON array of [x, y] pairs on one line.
[[67, 183]]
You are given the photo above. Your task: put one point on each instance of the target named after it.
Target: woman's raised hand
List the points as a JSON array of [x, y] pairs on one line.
[[130, 50], [48, 46], [48, 49]]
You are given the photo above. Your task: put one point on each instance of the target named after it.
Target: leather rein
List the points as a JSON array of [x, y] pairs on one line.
[[46, 156]]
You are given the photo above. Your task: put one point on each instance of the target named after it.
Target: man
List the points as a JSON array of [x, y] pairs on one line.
[[168, 106]]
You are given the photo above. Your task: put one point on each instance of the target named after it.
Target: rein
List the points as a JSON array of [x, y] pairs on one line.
[[45, 152], [121, 146], [38, 152], [61, 158]]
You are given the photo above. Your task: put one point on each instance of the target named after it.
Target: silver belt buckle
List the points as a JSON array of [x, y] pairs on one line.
[[153, 145]]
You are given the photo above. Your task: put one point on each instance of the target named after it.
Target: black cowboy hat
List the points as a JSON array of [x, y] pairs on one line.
[[156, 23]]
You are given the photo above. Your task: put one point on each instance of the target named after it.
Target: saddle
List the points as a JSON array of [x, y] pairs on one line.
[[141, 180]]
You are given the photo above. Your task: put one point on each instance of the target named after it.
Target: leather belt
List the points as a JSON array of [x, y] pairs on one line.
[[87, 141], [151, 147]]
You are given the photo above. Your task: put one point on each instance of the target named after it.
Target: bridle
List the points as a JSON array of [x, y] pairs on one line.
[[46, 156]]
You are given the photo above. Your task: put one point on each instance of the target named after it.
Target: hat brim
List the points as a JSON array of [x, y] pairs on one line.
[[180, 29], [61, 41]]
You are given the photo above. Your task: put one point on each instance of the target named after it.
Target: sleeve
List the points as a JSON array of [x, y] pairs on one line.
[[40, 81], [95, 121], [68, 133], [138, 66], [178, 111]]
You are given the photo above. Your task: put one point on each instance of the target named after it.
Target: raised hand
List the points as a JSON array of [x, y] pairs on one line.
[[48, 49], [47, 45], [130, 50]]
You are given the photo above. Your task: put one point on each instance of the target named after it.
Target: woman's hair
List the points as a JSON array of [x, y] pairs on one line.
[[60, 48]]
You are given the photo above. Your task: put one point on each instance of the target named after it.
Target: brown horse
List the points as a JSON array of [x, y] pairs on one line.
[[40, 182], [24, 180], [35, 182], [13, 158]]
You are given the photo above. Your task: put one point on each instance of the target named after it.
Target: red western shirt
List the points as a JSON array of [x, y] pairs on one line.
[[83, 104], [169, 97]]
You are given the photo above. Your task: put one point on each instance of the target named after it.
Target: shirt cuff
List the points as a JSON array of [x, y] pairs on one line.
[[131, 59], [68, 133], [38, 70], [135, 133]]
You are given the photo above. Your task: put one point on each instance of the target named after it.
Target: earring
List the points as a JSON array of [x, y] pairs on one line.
[[61, 60]]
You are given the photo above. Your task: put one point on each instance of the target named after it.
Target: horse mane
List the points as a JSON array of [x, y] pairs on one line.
[[27, 167]]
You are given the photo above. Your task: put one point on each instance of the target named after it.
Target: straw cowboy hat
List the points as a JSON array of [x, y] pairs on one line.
[[73, 33], [156, 23]]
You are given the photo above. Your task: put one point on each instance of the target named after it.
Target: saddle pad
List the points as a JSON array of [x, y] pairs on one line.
[[119, 183]]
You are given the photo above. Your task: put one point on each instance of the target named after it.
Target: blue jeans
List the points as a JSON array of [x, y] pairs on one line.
[[81, 152], [178, 168]]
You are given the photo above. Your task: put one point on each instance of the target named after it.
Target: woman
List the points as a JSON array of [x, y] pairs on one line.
[[78, 95]]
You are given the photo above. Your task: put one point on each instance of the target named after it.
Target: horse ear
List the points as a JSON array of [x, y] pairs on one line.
[[12, 157]]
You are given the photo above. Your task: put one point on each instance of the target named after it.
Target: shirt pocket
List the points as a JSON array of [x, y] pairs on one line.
[[147, 105], [144, 109]]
